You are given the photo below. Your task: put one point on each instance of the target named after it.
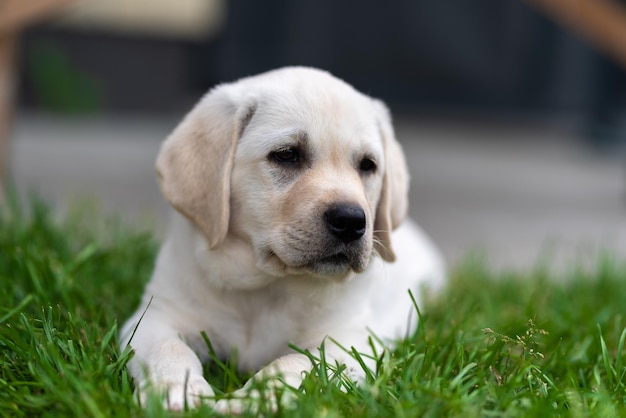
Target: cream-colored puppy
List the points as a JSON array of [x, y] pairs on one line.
[[287, 187]]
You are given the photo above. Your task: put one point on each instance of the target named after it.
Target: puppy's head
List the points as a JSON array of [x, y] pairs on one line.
[[297, 164]]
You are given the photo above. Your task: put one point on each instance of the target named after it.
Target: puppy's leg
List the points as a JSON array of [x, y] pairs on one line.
[[164, 364], [290, 370], [286, 370]]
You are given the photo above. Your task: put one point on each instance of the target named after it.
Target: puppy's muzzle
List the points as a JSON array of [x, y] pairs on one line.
[[346, 222]]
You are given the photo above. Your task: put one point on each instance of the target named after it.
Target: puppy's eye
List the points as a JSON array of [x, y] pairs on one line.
[[286, 155], [367, 165]]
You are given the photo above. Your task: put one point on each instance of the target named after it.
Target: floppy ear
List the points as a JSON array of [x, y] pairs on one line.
[[195, 162], [393, 204]]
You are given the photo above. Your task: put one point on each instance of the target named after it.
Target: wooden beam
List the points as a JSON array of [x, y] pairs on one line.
[[16, 14], [601, 22]]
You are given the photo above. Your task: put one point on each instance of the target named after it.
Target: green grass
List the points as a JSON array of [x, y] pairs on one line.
[[523, 344]]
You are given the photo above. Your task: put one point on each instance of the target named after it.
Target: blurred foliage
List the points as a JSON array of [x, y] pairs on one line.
[[59, 85]]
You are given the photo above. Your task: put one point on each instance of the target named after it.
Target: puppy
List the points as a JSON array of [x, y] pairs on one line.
[[290, 197]]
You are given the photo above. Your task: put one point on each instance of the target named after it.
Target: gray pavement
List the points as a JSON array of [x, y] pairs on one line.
[[517, 192]]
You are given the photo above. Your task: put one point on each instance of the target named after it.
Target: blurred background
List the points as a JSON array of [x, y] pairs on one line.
[[512, 112]]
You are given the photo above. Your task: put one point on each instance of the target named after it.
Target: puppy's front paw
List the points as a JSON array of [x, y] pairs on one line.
[[256, 401], [232, 406], [249, 402], [178, 394]]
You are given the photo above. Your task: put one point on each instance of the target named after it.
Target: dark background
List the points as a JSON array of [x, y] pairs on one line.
[[485, 56]]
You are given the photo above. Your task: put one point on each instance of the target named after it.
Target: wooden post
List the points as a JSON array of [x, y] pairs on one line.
[[15, 15], [7, 89]]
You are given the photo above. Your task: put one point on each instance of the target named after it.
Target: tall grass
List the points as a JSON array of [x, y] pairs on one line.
[[506, 344]]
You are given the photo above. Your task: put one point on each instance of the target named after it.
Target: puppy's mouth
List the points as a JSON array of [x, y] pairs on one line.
[[337, 265], [339, 258], [299, 252]]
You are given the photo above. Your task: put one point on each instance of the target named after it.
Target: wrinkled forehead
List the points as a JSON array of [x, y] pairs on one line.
[[329, 120]]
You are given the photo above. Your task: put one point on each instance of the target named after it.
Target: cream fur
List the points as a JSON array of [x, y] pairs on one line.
[[246, 256]]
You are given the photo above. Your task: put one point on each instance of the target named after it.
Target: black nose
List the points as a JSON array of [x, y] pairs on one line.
[[346, 222]]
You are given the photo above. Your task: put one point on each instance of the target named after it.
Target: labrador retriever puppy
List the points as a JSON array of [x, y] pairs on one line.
[[290, 197]]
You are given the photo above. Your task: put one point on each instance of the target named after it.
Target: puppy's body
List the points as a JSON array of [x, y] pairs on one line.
[[260, 323], [290, 184]]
